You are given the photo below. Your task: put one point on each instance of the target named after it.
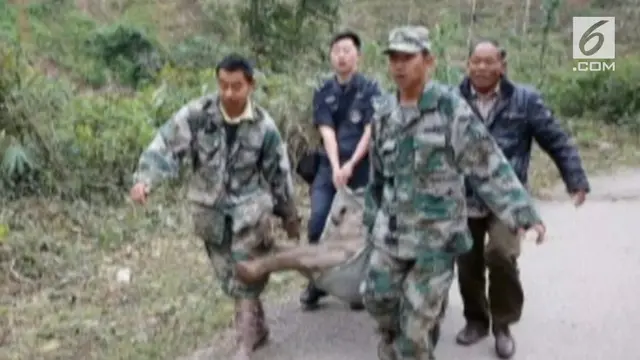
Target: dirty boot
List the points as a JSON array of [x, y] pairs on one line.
[[251, 328], [311, 296]]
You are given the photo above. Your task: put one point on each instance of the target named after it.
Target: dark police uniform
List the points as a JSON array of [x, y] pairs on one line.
[[347, 108]]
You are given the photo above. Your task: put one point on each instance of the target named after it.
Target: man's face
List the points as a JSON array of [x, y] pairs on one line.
[[409, 69], [344, 56], [485, 66], [234, 89]]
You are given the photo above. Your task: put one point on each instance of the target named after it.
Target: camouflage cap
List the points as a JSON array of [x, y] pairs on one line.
[[408, 39]]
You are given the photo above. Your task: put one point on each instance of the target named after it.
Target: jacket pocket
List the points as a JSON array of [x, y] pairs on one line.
[[437, 185]]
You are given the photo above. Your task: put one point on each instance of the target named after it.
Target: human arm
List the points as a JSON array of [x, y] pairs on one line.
[[323, 120], [373, 194], [556, 142], [276, 169], [162, 158], [371, 92], [361, 149], [487, 170]]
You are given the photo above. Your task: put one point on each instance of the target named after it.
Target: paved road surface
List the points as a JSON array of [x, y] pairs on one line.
[[582, 294]]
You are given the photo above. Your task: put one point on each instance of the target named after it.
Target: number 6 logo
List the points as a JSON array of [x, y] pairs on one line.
[[594, 37], [590, 34]]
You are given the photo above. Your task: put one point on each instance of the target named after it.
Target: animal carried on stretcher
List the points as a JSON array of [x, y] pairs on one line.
[[336, 265]]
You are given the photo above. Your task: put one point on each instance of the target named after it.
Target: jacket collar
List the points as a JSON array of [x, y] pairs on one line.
[[357, 80], [506, 88]]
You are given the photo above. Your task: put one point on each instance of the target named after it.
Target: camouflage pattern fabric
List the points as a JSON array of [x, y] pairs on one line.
[[408, 39], [415, 209], [234, 186], [225, 248]]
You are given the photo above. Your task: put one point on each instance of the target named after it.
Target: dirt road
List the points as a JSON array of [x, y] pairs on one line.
[[582, 290]]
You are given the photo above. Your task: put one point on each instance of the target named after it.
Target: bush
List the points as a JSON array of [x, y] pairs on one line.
[[29, 104], [126, 52], [611, 96], [100, 140], [197, 52]]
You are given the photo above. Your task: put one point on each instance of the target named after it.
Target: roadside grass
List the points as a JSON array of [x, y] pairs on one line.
[[83, 282]]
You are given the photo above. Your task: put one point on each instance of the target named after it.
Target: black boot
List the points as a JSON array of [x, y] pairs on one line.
[[472, 333], [311, 296], [356, 306]]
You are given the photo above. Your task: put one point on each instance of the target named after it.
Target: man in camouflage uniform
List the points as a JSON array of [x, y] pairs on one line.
[[241, 175], [425, 141]]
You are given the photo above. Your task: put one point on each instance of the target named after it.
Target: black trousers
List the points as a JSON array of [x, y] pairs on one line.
[[503, 305]]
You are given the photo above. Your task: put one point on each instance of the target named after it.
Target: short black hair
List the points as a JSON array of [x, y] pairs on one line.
[[347, 34], [236, 62], [501, 51]]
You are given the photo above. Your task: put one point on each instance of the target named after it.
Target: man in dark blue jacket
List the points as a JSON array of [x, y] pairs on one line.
[[515, 116], [342, 110]]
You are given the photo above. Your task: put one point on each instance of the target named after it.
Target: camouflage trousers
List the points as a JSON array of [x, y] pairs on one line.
[[225, 248], [408, 299]]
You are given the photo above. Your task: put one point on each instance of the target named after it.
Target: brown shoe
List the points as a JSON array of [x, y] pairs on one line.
[[505, 344], [251, 329], [472, 333]]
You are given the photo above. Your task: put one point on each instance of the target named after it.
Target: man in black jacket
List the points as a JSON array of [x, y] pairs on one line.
[[515, 116]]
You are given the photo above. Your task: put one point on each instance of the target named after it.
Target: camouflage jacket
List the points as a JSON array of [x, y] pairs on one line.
[[245, 180], [415, 202]]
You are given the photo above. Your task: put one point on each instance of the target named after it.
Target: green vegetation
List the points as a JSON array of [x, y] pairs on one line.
[[84, 84]]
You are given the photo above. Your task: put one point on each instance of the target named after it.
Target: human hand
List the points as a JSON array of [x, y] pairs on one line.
[[139, 193], [578, 197], [539, 229], [338, 178], [347, 170], [343, 174]]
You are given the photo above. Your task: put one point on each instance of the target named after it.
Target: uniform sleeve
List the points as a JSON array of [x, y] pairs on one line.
[[487, 170], [372, 91], [555, 141], [162, 158], [321, 110], [276, 169], [373, 194]]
